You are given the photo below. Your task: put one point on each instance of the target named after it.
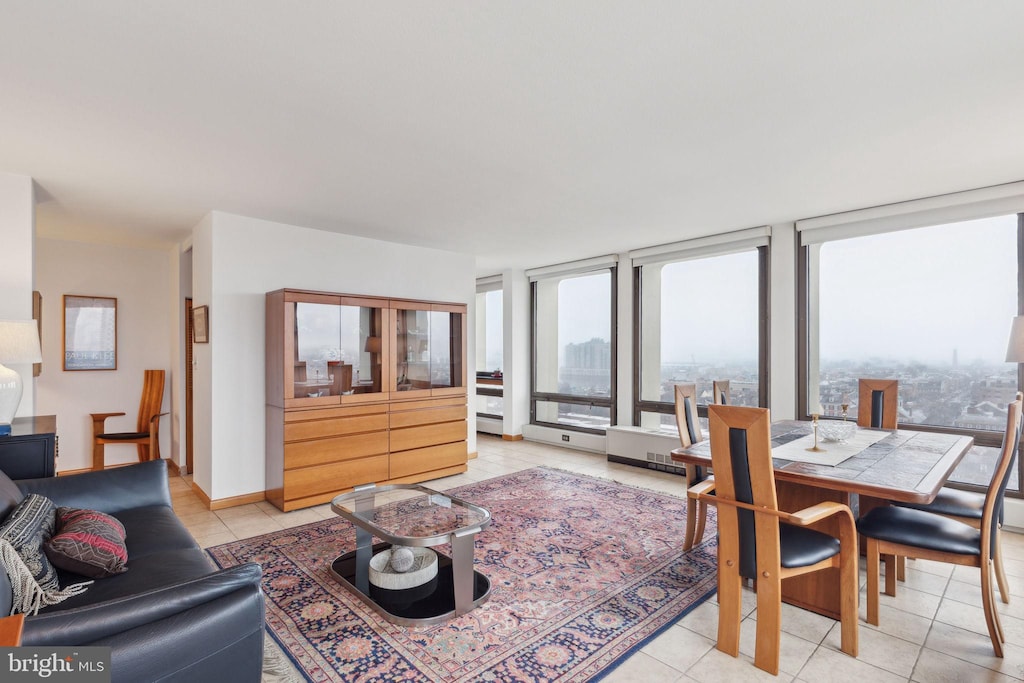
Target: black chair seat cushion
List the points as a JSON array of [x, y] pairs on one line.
[[124, 436], [921, 529], [954, 502], [802, 547]]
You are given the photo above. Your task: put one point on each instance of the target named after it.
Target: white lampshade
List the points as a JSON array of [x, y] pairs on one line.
[[1015, 349], [19, 343]]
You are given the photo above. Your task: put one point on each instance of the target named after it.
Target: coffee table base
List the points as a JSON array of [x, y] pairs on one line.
[[431, 603]]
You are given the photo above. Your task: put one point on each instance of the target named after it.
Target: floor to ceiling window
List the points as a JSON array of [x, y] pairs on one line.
[[700, 312], [574, 349], [930, 306]]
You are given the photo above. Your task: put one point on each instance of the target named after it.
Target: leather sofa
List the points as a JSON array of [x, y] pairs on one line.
[[171, 616]]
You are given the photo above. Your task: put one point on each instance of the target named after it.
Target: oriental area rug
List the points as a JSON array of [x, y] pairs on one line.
[[583, 572]]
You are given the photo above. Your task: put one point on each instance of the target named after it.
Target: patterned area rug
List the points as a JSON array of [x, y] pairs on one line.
[[583, 572]]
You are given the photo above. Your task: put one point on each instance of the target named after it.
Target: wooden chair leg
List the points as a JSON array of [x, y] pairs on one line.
[[901, 568], [997, 560], [890, 575], [988, 602], [873, 560], [97, 455], [730, 610], [849, 590], [702, 516], [691, 523], [769, 625]]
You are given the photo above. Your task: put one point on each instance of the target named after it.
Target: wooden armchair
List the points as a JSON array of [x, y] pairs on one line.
[[877, 403], [689, 434], [758, 541], [720, 392], [906, 532], [147, 434]]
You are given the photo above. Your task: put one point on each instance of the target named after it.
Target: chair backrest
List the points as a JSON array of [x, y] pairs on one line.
[[686, 415], [152, 398], [877, 403], [720, 392], [993, 511], [741, 456]]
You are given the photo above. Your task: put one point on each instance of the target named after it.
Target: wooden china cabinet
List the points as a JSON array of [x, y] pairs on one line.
[[359, 390]]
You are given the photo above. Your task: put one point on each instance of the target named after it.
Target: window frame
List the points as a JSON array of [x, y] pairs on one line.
[[492, 389], [764, 341], [555, 397], [981, 437]]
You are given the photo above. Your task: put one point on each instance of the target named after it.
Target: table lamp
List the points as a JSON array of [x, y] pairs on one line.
[[1015, 349], [19, 344]]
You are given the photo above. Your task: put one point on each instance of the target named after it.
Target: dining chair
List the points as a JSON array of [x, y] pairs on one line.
[[877, 403], [720, 392], [897, 530], [758, 541], [689, 434], [147, 426], [968, 507]]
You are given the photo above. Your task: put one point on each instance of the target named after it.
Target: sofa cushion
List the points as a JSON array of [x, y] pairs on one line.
[[87, 542], [28, 526], [10, 495], [153, 529], [149, 572]]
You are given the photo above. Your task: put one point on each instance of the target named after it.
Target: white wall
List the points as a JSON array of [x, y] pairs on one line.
[[17, 235], [236, 261], [140, 280]]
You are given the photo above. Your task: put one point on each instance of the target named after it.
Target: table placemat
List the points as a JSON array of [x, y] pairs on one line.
[[835, 452]]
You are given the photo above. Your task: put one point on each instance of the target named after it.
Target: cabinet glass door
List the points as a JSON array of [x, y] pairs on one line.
[[337, 350], [429, 350]]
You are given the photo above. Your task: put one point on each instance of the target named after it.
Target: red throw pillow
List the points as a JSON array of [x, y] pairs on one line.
[[89, 543]]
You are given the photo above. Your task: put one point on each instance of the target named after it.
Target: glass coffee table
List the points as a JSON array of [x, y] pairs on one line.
[[418, 517]]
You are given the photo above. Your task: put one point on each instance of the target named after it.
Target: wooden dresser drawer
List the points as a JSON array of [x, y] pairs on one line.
[[310, 481], [412, 418], [426, 459], [335, 449], [318, 429], [427, 435]]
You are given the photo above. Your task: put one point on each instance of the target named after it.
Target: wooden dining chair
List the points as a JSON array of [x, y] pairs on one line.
[[146, 436], [877, 404], [758, 541], [720, 392], [689, 434], [896, 530]]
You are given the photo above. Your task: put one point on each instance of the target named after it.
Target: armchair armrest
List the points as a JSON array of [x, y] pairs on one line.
[[702, 489], [87, 624], [109, 491], [818, 512], [99, 420]]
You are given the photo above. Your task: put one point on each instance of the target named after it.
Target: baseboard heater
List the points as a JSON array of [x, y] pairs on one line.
[[640, 447]]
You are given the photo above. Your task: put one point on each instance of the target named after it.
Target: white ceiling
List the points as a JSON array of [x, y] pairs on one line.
[[527, 133]]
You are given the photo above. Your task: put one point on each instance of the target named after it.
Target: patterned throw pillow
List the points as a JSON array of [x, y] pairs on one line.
[[89, 543], [29, 526]]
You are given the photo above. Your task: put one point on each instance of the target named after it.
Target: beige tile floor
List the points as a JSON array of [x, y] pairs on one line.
[[934, 630]]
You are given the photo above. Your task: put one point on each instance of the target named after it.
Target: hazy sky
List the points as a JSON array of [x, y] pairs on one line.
[[919, 294]]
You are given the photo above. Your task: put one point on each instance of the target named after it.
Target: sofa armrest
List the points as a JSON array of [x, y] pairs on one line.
[[110, 491], [89, 623]]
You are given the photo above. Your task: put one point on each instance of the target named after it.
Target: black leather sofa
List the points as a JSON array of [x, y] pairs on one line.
[[171, 616]]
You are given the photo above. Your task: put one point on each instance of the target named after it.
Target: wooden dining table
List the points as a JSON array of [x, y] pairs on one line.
[[906, 466]]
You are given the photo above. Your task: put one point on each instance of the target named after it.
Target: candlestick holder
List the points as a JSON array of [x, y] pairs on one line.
[[816, 448]]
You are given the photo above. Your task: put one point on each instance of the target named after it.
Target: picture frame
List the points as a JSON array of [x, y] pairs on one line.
[[37, 315], [201, 325], [90, 333]]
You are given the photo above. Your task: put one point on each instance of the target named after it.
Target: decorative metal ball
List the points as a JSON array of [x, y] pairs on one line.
[[402, 559]]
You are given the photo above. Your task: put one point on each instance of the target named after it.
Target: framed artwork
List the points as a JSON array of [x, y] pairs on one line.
[[90, 332], [201, 325]]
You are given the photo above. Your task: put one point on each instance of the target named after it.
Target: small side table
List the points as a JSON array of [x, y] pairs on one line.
[[10, 630], [30, 450]]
